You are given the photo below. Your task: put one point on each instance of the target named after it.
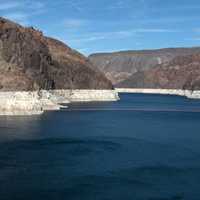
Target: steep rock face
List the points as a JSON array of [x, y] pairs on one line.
[[31, 61], [183, 72], [72, 70], [24, 58], [120, 66]]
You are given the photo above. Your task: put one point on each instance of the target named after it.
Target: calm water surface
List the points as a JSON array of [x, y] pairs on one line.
[[144, 147]]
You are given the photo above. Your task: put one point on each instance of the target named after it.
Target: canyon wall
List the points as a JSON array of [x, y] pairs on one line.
[[120, 66], [30, 61]]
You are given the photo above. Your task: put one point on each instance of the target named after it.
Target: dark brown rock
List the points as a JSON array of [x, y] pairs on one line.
[[31, 61], [75, 70]]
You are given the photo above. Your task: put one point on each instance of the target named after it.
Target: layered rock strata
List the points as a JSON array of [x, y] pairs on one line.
[[120, 66]]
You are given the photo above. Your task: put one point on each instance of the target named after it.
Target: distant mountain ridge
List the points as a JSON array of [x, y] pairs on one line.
[[183, 72], [30, 61], [120, 66]]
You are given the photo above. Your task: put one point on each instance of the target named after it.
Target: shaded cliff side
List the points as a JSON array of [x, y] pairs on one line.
[[119, 66], [31, 61], [183, 72]]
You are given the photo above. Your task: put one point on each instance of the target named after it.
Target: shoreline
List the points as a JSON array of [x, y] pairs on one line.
[[22, 103], [178, 92], [27, 103], [87, 95]]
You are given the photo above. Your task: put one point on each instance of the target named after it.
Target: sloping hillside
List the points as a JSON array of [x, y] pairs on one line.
[[183, 72], [31, 61], [120, 66]]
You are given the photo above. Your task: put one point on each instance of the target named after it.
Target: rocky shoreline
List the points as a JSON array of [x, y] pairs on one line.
[[36, 102], [187, 93]]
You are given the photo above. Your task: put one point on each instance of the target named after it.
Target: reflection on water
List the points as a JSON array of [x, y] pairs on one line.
[[112, 150]]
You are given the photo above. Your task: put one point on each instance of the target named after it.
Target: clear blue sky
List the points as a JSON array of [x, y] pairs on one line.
[[111, 25]]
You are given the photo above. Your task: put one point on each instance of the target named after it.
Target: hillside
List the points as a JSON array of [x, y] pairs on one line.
[[183, 72], [30, 61], [119, 66]]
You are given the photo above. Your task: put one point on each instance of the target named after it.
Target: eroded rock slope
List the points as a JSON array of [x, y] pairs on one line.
[[120, 66], [183, 72], [30, 61]]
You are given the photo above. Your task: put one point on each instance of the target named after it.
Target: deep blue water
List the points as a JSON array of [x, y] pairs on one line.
[[144, 147]]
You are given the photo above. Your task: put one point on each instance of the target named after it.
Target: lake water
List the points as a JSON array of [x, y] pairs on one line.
[[144, 147]]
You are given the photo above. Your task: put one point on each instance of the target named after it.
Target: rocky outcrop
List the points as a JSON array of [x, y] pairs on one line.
[[120, 66], [183, 72], [71, 70], [36, 102], [27, 103], [38, 73], [30, 61]]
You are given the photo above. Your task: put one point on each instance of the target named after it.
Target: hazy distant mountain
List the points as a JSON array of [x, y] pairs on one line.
[[183, 72], [119, 66], [31, 61]]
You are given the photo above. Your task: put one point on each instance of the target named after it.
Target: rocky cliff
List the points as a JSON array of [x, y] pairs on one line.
[[30, 61], [120, 66], [183, 72]]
